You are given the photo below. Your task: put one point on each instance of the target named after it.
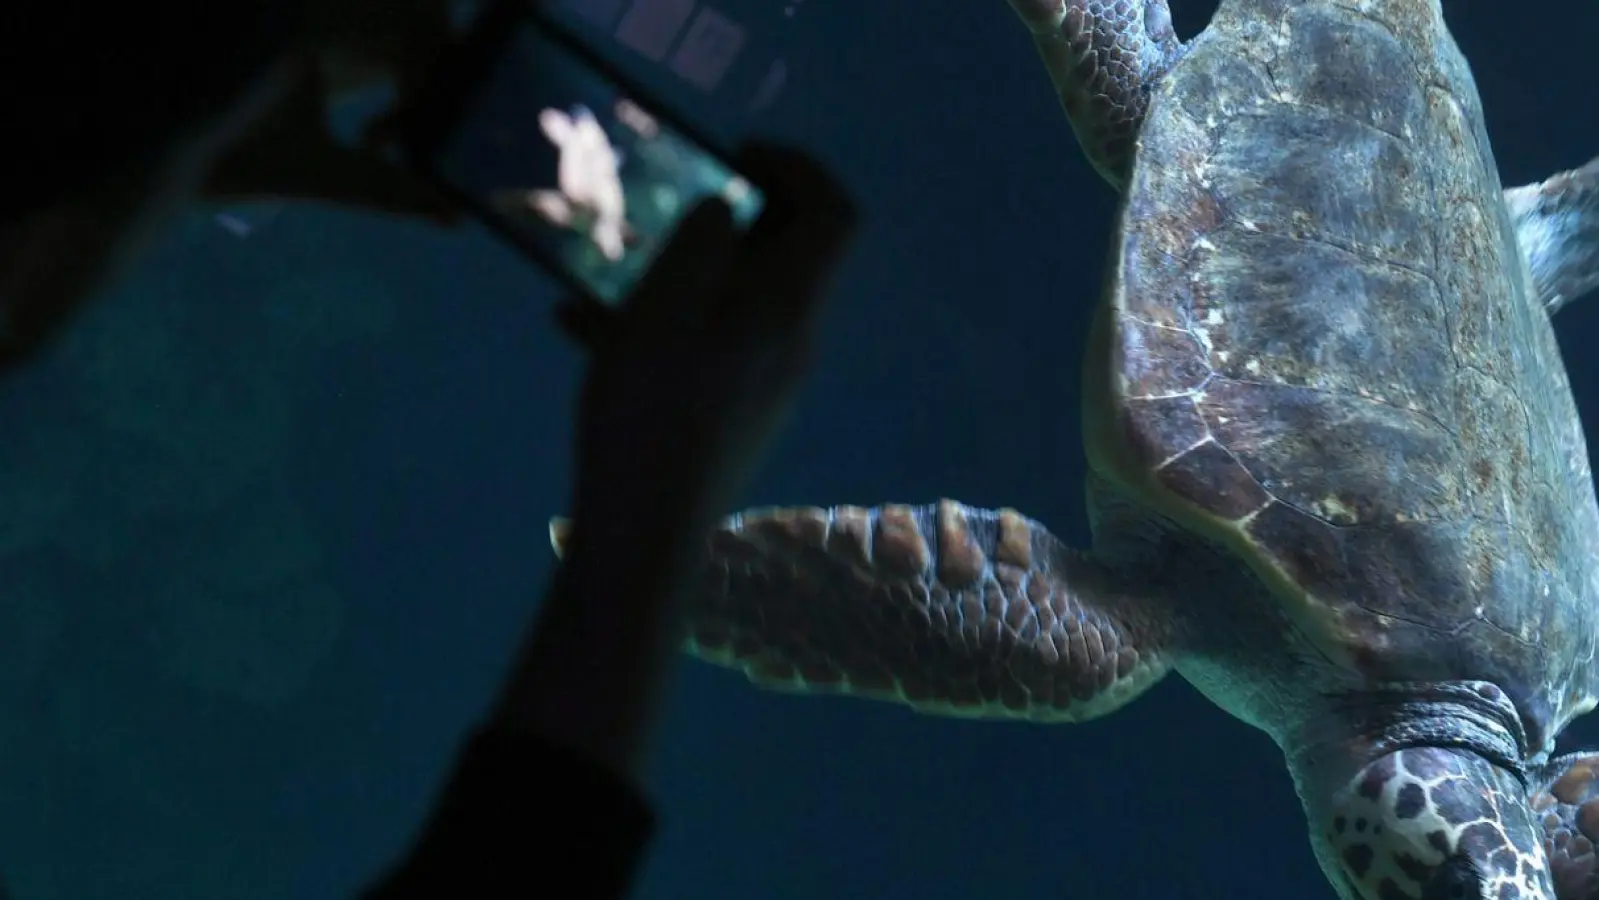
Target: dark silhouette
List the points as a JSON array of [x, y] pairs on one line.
[[687, 383], [214, 101], [689, 378]]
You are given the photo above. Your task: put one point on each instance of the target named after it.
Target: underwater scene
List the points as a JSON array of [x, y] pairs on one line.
[[273, 514]]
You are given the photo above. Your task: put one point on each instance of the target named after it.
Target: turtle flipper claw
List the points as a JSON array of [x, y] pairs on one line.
[[1557, 226], [1103, 57], [1564, 796], [945, 608]]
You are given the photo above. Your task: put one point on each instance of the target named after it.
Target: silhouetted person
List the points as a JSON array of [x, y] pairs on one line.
[[688, 378], [120, 115]]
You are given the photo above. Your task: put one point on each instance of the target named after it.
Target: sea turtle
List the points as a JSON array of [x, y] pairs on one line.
[[1337, 478], [588, 197]]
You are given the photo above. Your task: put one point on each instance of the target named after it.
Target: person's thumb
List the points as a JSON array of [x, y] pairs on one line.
[[806, 224], [684, 280], [679, 285]]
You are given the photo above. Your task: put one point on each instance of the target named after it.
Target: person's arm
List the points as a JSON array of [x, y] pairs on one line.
[[687, 384], [524, 816], [541, 783]]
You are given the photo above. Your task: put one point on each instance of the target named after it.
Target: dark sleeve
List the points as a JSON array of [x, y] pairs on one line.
[[521, 817]]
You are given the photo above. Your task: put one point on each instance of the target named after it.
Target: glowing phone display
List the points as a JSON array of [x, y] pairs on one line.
[[578, 169]]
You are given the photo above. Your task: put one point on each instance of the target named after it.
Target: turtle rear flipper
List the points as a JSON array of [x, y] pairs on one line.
[[1557, 226], [1103, 58], [1564, 797], [948, 609]]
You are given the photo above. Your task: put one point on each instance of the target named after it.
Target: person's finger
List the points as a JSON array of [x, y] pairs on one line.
[[385, 131], [364, 181], [685, 278], [311, 164], [808, 221], [588, 322], [290, 153], [795, 177]]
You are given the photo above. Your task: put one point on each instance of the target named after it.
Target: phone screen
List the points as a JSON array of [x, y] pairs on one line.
[[583, 173]]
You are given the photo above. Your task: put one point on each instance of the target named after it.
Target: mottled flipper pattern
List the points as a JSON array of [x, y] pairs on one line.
[[1104, 57], [1557, 226], [1565, 797], [948, 609], [1436, 823]]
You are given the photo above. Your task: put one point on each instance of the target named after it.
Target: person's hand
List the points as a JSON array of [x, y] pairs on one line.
[[345, 47], [291, 153], [692, 374], [688, 379]]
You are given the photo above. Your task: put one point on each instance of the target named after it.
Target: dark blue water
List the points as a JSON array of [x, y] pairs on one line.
[[274, 516]]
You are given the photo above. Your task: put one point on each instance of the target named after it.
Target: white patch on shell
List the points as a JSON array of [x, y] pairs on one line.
[[1335, 510], [1281, 42], [1242, 525]]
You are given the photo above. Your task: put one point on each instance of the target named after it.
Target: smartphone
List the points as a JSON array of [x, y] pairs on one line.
[[550, 147]]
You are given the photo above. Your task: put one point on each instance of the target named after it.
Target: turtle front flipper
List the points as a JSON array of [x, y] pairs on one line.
[[1104, 57], [1565, 799], [946, 608], [1557, 226]]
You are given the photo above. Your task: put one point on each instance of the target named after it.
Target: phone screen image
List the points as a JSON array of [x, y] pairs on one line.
[[577, 171]]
